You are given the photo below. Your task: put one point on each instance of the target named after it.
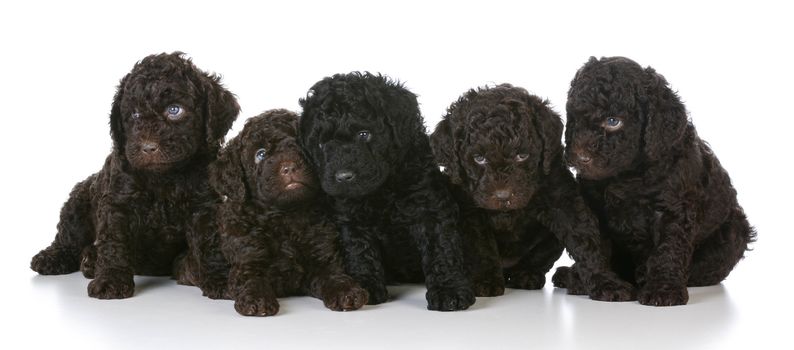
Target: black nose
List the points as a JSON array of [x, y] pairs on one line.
[[502, 195], [287, 168], [149, 147], [345, 176]]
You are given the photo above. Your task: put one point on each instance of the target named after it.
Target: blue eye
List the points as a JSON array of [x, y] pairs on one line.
[[174, 112], [260, 155], [364, 135], [613, 123], [135, 115], [480, 159], [521, 157]]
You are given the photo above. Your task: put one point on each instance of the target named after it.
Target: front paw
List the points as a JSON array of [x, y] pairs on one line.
[[345, 298], [611, 288], [489, 287], [256, 305], [663, 295], [525, 280], [111, 287], [449, 299]]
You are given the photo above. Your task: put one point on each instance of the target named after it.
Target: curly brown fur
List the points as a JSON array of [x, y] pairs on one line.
[[167, 121], [274, 226], [364, 135], [664, 201], [501, 148]]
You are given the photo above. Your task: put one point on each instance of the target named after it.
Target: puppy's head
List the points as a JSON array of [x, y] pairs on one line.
[[498, 143], [357, 129], [166, 112], [620, 116], [264, 163]]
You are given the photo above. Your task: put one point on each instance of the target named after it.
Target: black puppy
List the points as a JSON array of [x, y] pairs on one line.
[[274, 228], [364, 135], [501, 148], [664, 201], [167, 123]]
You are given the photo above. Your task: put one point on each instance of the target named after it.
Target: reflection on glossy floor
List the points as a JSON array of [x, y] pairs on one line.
[[163, 313]]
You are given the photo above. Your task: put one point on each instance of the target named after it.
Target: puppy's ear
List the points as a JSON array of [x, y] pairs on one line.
[[226, 172], [221, 109], [666, 119], [442, 141], [117, 120], [549, 126]]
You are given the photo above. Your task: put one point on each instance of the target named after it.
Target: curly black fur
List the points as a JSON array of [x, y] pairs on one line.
[[167, 123], [364, 135], [275, 230], [501, 148], [664, 201]]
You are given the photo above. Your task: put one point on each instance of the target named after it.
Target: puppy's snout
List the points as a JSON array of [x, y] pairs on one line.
[[288, 168], [582, 156], [149, 147], [503, 194], [345, 176]]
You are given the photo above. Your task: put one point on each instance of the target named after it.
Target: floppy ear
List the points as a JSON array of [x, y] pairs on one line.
[[226, 172], [221, 109], [442, 142], [549, 126], [666, 120], [117, 120]]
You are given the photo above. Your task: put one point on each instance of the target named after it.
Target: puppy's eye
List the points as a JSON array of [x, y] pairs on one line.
[[613, 123], [174, 112], [521, 157], [364, 135], [135, 116], [479, 159], [260, 155]]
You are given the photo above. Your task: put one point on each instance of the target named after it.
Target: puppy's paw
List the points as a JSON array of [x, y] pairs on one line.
[[111, 287], [489, 287], [256, 305], [562, 277], [52, 261], [663, 295], [611, 288], [345, 298], [449, 299], [525, 280]]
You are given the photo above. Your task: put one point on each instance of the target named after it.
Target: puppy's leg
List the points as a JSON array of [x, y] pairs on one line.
[[530, 271], [252, 293], [482, 260], [113, 270], [363, 261], [326, 276], [568, 278], [75, 232], [667, 267], [715, 258], [448, 287], [575, 226], [208, 269]]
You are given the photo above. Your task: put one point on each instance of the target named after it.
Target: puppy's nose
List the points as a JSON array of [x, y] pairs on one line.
[[149, 147], [502, 194], [345, 176], [584, 158], [287, 168]]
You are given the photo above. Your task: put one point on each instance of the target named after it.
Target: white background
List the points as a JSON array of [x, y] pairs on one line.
[[61, 60]]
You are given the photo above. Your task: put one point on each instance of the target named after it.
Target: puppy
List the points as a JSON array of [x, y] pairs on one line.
[[273, 224], [502, 151], [364, 135], [167, 122], [664, 201]]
